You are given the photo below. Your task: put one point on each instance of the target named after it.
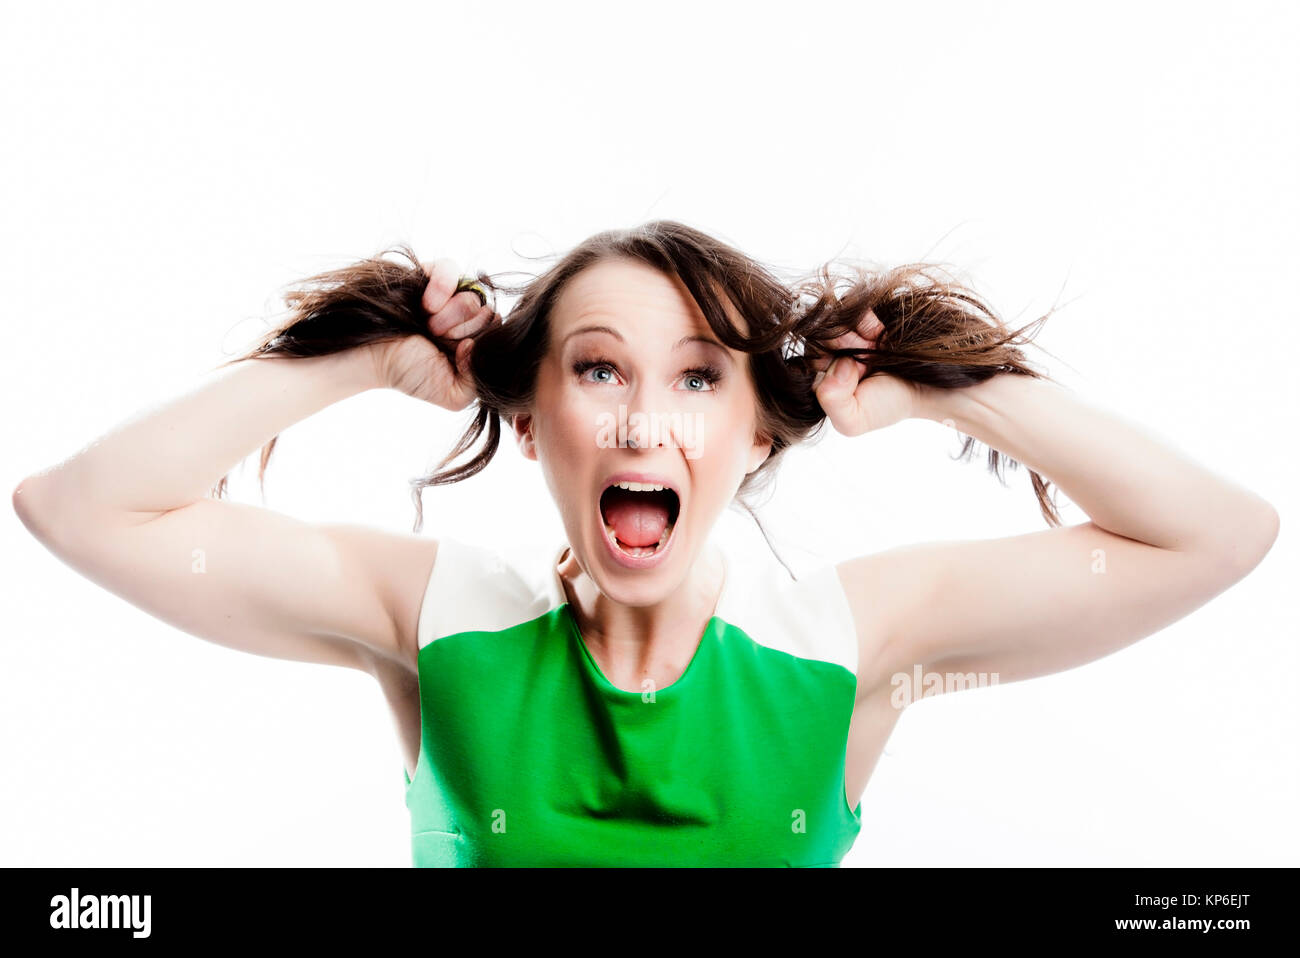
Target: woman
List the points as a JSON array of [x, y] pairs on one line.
[[637, 697]]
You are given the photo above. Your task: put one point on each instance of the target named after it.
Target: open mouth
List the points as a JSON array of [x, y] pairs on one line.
[[639, 517]]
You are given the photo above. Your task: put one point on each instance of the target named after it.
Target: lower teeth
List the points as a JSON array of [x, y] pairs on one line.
[[639, 551]]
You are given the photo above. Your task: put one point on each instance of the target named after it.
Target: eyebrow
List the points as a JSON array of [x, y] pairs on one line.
[[677, 345]]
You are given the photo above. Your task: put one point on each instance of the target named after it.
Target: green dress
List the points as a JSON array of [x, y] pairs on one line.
[[529, 756]]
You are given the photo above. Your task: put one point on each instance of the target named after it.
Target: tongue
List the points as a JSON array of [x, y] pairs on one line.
[[638, 518]]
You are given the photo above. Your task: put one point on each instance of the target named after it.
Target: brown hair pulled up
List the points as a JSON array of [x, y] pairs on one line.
[[936, 332]]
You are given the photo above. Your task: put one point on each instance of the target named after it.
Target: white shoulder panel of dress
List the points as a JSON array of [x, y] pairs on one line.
[[809, 617], [476, 589]]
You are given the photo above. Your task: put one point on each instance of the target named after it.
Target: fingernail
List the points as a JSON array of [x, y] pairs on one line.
[[817, 380]]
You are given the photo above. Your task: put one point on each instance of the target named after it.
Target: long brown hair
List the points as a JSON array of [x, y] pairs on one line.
[[936, 332]]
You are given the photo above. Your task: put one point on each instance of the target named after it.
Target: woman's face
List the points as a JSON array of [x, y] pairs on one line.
[[635, 386]]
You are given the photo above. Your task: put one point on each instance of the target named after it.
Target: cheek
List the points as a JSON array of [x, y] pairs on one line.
[[566, 433], [576, 423], [722, 446]]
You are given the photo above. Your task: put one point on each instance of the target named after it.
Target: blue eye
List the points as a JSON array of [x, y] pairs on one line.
[[583, 365], [707, 376]]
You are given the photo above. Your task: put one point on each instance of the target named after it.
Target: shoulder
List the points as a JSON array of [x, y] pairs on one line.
[[808, 616], [477, 588]]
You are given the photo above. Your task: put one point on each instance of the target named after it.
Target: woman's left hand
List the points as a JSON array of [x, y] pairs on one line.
[[855, 405]]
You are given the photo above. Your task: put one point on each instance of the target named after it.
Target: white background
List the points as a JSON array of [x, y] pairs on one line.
[[169, 168]]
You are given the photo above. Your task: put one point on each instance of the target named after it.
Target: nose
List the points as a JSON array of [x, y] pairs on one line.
[[648, 427], [642, 430]]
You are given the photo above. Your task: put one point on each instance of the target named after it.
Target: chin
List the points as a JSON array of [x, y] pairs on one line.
[[637, 580]]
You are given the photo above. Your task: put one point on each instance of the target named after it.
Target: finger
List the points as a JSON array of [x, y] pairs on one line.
[[444, 274], [838, 397], [463, 349], [864, 336], [823, 362], [461, 390], [480, 320], [854, 340], [848, 340], [460, 308]]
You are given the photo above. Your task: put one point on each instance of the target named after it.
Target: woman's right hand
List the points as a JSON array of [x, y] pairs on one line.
[[437, 373]]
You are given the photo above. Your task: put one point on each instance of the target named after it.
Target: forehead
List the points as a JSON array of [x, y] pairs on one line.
[[629, 294]]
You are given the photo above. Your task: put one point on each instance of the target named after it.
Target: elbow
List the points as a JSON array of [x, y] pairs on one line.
[[1272, 524], [37, 509], [27, 506], [24, 501], [1255, 539]]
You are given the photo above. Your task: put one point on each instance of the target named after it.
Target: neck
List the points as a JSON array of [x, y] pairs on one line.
[[635, 643]]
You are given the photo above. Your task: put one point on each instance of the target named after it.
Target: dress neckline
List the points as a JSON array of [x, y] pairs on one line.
[[560, 600]]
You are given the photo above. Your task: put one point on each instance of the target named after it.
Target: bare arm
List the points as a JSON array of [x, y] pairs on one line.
[[130, 512], [1165, 536]]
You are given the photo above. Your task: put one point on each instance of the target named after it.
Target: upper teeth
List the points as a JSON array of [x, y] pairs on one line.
[[639, 486]]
